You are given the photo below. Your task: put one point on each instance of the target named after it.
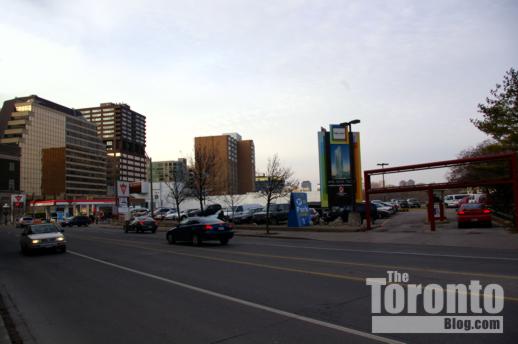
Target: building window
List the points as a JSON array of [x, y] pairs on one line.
[[11, 185], [11, 166]]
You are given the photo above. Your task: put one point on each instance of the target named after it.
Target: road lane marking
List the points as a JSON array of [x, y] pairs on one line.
[[388, 252], [128, 243], [370, 265], [233, 261], [245, 302], [346, 263]]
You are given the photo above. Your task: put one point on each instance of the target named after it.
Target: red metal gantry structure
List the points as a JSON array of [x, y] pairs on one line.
[[511, 180]]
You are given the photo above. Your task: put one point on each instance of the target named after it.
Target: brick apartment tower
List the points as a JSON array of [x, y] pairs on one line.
[[235, 163]]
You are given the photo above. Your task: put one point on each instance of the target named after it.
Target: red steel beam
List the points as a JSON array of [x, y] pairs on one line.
[[438, 186], [440, 164]]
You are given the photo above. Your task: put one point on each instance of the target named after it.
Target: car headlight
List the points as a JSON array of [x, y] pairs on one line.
[[60, 238], [34, 242]]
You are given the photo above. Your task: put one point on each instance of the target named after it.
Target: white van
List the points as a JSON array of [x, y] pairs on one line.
[[243, 213], [452, 201]]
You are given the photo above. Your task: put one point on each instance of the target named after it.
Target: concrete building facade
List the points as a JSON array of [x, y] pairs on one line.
[[60, 153], [235, 163], [123, 132]]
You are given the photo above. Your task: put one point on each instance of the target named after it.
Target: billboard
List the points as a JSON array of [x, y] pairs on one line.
[[340, 167]]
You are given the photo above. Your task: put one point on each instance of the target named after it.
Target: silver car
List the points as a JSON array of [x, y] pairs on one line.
[[44, 236]]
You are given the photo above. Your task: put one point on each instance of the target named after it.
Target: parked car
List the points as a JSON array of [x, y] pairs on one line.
[[24, 221], [198, 230], [78, 221], [193, 212], [247, 216], [173, 215], [211, 210], [413, 203], [473, 213], [161, 212], [452, 201], [403, 204], [241, 213], [386, 206], [278, 214], [141, 224], [44, 236], [382, 210]]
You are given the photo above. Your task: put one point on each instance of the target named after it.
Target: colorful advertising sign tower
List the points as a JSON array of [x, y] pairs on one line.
[[340, 167]]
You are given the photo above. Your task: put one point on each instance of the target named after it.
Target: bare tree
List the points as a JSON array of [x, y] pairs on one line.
[[203, 172], [179, 191], [279, 184], [232, 199]]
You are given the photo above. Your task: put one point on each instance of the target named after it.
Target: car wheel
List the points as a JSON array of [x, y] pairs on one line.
[[63, 249], [196, 240], [489, 224], [460, 225], [126, 229], [171, 239], [224, 241]]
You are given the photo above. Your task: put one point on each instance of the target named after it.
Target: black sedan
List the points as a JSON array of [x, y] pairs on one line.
[[200, 229], [141, 224], [78, 221]]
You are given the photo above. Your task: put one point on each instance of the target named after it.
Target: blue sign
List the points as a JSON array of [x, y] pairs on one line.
[[299, 215]]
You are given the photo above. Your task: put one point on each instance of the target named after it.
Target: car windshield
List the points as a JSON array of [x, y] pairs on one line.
[[42, 229], [471, 206], [144, 218]]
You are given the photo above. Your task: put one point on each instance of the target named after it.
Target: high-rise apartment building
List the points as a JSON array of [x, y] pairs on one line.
[[169, 171], [245, 166], [123, 132], [60, 153], [235, 163]]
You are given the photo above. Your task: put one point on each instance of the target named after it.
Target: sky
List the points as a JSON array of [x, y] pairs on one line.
[[274, 71]]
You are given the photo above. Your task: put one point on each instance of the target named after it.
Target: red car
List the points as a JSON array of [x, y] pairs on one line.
[[473, 213]]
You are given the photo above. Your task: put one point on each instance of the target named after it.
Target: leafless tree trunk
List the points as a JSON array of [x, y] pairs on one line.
[[178, 191], [232, 200], [203, 167], [279, 184]]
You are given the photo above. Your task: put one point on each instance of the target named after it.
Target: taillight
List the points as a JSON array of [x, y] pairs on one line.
[[141, 222], [487, 211], [231, 225], [460, 212], [208, 227]]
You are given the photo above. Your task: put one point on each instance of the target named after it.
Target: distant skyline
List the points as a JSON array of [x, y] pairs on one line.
[[413, 72]]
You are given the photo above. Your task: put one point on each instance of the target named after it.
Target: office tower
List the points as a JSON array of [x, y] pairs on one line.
[[123, 132], [60, 153]]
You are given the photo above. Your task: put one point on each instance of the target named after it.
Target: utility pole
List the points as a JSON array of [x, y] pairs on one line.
[[383, 164]]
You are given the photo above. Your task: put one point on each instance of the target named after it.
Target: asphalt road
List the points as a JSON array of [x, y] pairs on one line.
[[113, 287]]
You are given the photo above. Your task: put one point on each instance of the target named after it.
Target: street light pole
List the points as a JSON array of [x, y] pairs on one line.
[[351, 159], [151, 195], [383, 164]]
